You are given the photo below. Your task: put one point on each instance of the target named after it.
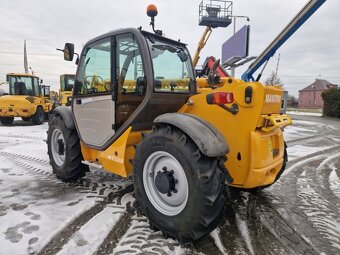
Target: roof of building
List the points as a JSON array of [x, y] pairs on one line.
[[319, 85]]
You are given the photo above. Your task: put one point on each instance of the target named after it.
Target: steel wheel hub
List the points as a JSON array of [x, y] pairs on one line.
[[165, 183], [58, 147]]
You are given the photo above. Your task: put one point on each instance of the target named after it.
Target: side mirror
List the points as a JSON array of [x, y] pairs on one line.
[[7, 78], [68, 51], [41, 81]]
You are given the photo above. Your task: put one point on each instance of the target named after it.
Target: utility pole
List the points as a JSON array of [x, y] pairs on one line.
[[232, 69]]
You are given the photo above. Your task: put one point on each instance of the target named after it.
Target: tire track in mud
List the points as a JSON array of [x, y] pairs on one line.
[[316, 138], [309, 205], [249, 230], [58, 241], [292, 164], [319, 204], [96, 182], [110, 193], [38, 138], [111, 197]]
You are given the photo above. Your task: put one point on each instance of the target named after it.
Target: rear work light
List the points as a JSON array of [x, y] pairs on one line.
[[220, 98]]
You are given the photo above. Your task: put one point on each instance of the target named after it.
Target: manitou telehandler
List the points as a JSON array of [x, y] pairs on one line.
[[27, 99], [138, 109], [65, 91]]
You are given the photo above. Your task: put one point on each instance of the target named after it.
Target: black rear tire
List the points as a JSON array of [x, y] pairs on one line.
[[205, 181], [26, 118], [38, 117], [6, 121], [71, 168]]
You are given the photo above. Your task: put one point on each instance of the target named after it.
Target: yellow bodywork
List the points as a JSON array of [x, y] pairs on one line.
[[254, 134], [64, 94], [63, 97], [23, 105], [117, 158]]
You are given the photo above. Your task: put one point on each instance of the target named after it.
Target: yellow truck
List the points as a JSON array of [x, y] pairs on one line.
[[27, 99]]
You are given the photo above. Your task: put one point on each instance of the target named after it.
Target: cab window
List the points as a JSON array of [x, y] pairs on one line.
[[37, 91], [172, 67], [22, 85], [95, 69], [131, 80]]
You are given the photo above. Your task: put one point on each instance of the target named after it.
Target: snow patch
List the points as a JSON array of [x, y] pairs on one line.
[[90, 236], [300, 164], [300, 151], [217, 240], [305, 113], [244, 231], [334, 183]]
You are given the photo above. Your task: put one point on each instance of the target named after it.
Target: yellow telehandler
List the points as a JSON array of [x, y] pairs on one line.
[[138, 109], [27, 99]]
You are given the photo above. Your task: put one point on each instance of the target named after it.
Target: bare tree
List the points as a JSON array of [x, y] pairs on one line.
[[273, 79]]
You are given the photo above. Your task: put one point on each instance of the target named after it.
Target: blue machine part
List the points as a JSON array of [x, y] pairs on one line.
[[307, 11]]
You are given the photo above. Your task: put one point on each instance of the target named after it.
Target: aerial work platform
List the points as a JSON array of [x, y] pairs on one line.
[[215, 13]]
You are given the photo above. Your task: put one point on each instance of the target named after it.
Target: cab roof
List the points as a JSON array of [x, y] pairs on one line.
[[135, 31], [22, 75]]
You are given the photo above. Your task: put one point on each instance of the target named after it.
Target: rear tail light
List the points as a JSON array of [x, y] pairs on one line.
[[220, 98]]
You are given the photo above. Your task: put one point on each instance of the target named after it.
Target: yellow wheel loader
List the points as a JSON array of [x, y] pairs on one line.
[[137, 109], [65, 91], [27, 99]]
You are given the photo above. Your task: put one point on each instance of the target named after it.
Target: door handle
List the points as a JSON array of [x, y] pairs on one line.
[[78, 101]]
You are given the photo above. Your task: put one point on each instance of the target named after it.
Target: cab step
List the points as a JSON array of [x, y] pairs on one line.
[[92, 163]]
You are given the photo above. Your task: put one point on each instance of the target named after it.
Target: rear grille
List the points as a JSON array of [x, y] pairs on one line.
[[30, 99]]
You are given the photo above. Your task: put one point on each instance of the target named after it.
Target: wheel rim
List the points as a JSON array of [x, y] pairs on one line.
[[156, 164], [58, 147]]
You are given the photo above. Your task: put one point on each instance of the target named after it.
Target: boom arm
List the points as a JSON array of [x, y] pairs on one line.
[[201, 44], [287, 32]]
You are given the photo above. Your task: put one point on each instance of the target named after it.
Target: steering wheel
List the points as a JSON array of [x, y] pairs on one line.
[[87, 78], [91, 80]]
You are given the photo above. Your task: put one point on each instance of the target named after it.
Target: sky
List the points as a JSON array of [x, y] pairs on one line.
[[312, 52]]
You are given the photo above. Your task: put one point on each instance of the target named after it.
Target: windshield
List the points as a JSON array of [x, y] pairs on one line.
[[171, 65], [24, 85], [67, 82]]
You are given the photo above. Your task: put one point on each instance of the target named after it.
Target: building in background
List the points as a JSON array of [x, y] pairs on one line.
[[310, 97]]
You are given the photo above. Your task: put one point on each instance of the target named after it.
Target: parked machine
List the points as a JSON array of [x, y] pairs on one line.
[[183, 139], [65, 91], [27, 99]]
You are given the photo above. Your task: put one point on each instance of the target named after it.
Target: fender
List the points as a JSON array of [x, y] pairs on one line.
[[66, 113], [208, 139]]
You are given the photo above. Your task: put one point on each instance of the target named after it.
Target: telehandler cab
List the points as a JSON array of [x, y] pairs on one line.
[[138, 109], [27, 99]]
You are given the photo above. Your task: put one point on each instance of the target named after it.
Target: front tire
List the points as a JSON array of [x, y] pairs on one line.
[[38, 117], [179, 189], [6, 121], [64, 151]]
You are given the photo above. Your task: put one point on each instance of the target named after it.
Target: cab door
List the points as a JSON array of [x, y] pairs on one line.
[[93, 105]]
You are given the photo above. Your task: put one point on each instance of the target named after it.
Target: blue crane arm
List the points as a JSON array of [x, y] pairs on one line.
[[307, 11]]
